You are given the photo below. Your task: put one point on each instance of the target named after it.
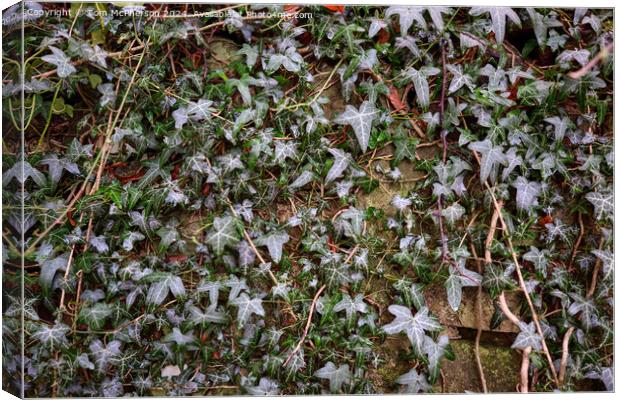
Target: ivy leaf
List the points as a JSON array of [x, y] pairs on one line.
[[459, 79], [48, 271], [247, 307], [210, 316], [94, 54], [413, 326], [21, 171], [52, 336], [302, 180], [274, 242], [99, 243], [84, 362], [375, 26], [341, 162], [603, 203], [434, 351], [291, 60], [336, 376], [158, 291], [527, 337], [213, 288], [607, 258], [236, 285], [453, 213], [360, 120], [105, 355], [414, 382], [527, 193], [179, 337], [436, 15], [251, 54], [513, 160], [266, 387], [538, 258], [351, 305], [455, 283], [64, 68], [560, 126], [407, 15], [496, 280], [420, 83], [224, 233], [96, 315], [131, 238], [498, 18], [56, 166], [491, 157], [201, 110], [246, 255], [180, 117]]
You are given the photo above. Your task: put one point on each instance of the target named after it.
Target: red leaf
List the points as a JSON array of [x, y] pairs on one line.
[[394, 98], [335, 8], [383, 36]]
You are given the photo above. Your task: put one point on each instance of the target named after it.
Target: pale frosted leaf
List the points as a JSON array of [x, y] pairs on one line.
[[360, 120], [498, 18]]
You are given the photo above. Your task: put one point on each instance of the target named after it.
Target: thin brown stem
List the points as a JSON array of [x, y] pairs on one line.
[[515, 259], [564, 360], [483, 381], [303, 337]]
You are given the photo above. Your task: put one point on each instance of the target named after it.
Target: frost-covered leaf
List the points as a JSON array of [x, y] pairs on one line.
[[527, 193], [539, 258], [413, 381], [274, 242], [375, 26], [453, 213], [209, 316], [236, 285], [401, 204], [419, 78], [496, 280], [224, 233], [95, 316], [336, 376], [52, 336], [351, 305], [265, 387], [302, 180], [491, 157], [21, 171], [179, 337], [63, 64], [607, 259], [158, 291], [459, 79], [407, 15], [560, 126], [56, 165], [247, 307], [413, 326], [527, 337], [360, 120], [99, 243], [436, 13], [603, 203], [341, 163], [498, 18], [105, 355], [49, 268]]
